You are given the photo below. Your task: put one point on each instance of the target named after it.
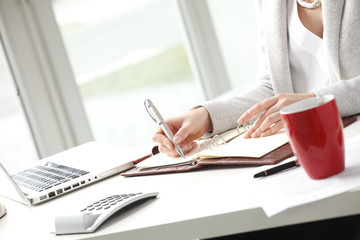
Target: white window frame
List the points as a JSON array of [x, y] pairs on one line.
[[205, 54], [43, 76], [45, 80]]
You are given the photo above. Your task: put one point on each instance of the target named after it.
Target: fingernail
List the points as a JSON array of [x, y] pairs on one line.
[[169, 146], [254, 135], [240, 120], [186, 148], [246, 135], [263, 134], [177, 139]]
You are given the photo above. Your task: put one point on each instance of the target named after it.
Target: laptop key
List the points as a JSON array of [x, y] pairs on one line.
[[40, 178]]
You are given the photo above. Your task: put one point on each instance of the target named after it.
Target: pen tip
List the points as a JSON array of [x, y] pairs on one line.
[[178, 149], [260, 174]]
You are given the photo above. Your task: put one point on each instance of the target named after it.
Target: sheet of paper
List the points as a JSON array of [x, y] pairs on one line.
[[293, 187], [251, 147]]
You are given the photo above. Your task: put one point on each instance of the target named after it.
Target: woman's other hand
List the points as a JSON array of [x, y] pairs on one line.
[[186, 129], [270, 120]]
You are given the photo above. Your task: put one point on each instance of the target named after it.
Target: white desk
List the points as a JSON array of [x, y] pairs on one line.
[[202, 204]]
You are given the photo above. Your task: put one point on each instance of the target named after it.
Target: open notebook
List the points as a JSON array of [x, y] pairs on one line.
[[229, 148], [226, 145]]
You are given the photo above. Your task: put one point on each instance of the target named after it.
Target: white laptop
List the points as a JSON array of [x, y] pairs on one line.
[[64, 172]]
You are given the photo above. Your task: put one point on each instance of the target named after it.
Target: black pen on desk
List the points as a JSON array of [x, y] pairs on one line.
[[277, 169]]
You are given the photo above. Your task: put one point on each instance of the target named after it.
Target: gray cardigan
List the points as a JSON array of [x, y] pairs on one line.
[[342, 37]]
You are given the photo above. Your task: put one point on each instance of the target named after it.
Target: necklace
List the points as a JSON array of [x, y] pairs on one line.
[[309, 4]]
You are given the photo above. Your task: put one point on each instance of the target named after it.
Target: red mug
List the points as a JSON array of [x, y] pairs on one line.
[[315, 132]]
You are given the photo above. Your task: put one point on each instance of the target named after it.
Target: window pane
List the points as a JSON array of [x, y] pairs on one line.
[[123, 52], [235, 26], [16, 142]]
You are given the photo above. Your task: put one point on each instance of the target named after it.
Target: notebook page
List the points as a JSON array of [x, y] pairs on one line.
[[162, 160], [251, 147]]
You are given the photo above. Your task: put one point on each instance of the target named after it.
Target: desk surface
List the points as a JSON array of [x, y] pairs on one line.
[[202, 204]]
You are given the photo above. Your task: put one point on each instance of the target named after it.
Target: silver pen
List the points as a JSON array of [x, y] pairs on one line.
[[156, 116]]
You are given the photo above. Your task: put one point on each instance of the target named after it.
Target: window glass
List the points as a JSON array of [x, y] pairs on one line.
[[16, 142], [235, 26], [123, 52]]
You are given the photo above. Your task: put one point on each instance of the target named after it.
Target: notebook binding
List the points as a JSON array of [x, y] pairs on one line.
[[218, 140]]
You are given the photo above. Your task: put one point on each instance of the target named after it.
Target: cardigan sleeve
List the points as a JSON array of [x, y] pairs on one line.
[[347, 95], [345, 57]]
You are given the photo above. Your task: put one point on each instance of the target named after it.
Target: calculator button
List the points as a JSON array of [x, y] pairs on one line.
[[100, 210]]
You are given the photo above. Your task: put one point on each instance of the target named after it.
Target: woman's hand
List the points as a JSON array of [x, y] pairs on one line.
[[186, 129], [270, 120]]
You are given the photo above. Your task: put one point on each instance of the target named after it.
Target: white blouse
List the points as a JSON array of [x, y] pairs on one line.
[[308, 57]]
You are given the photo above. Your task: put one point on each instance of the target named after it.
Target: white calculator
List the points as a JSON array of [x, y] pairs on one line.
[[93, 215]]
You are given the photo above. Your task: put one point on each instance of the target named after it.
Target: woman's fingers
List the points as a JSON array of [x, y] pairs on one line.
[[266, 124], [264, 121], [166, 146], [273, 129], [186, 129], [269, 121], [172, 153], [256, 109], [163, 141]]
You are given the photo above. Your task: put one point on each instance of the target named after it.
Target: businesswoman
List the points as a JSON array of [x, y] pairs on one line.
[[306, 48]]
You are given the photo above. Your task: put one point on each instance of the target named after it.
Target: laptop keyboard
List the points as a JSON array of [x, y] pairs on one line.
[[43, 177]]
